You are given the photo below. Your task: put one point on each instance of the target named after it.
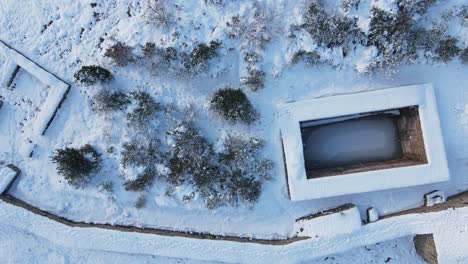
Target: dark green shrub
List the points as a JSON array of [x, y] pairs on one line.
[[447, 49], [308, 57], [76, 165], [191, 156], [107, 101], [120, 54], [93, 74], [201, 54], [464, 56], [233, 105], [146, 108]]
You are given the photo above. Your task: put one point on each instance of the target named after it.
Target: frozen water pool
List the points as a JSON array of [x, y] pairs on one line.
[[354, 141]]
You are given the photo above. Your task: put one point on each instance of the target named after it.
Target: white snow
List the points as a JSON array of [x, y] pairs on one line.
[[7, 175], [235, 252], [6, 71]]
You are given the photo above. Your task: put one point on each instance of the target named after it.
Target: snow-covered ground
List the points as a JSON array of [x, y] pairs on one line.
[[64, 35]]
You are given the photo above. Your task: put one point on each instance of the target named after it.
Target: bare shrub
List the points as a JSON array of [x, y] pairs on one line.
[[158, 13], [144, 155], [254, 80], [464, 56], [447, 49], [93, 74], [77, 164], [255, 29]]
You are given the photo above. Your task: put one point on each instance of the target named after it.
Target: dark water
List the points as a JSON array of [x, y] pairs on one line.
[[366, 139]]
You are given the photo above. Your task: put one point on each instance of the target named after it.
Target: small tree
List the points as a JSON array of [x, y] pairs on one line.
[[233, 105], [140, 202], [120, 54], [93, 74], [76, 165]]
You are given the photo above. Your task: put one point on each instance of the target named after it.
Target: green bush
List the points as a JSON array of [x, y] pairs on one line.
[[76, 165], [107, 101], [93, 74], [120, 54], [447, 49], [233, 105]]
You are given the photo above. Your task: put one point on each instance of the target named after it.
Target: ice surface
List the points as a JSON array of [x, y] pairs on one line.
[[368, 139]]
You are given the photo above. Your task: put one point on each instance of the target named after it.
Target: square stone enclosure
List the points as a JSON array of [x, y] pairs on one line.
[[410, 152]]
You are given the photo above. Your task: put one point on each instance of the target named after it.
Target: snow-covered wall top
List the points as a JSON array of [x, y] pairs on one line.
[[291, 114], [7, 175], [58, 90]]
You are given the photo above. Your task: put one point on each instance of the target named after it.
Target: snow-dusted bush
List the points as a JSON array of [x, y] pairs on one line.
[[77, 164], [328, 30], [254, 80], [243, 169], [201, 55], [447, 49], [107, 187], [106, 101], [146, 107], [144, 156], [308, 57], [415, 6], [233, 105], [93, 74], [191, 156], [463, 15], [120, 53], [160, 59], [140, 202], [464, 56], [229, 177], [158, 13]]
